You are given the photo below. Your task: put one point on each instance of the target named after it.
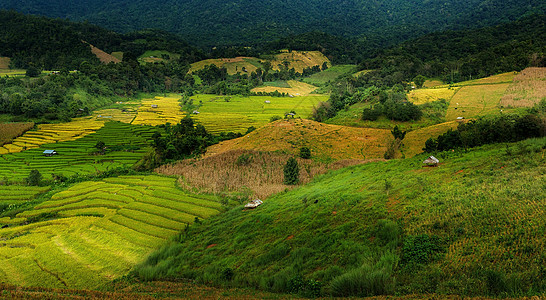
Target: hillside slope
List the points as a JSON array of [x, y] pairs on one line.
[[250, 21], [474, 225]]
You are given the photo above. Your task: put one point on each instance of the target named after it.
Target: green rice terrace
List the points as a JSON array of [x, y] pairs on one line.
[[94, 231]]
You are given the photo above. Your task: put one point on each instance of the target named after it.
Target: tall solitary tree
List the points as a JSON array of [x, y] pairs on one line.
[[291, 172]]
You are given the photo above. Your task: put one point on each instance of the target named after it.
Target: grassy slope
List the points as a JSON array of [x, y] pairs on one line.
[[292, 87], [482, 213], [329, 74]]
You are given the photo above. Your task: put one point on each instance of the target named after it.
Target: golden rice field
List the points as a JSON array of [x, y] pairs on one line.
[[528, 89], [299, 60], [415, 140], [475, 100], [237, 113], [94, 232], [168, 110], [233, 65], [297, 88], [325, 141], [422, 96], [125, 115], [53, 133]]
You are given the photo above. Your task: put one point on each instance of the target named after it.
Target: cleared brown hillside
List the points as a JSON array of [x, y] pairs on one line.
[[252, 173], [528, 88], [104, 57], [325, 141]]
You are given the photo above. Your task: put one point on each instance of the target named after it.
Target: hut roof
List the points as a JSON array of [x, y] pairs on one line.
[[50, 152], [254, 203], [431, 160]]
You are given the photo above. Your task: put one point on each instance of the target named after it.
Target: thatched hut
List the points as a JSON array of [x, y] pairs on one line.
[[431, 161]]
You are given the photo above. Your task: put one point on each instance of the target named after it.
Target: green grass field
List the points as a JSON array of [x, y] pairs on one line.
[[78, 156], [237, 113], [330, 74], [97, 231], [471, 226]]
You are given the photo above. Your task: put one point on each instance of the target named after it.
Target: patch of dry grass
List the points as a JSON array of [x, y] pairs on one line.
[[325, 141], [9, 131], [415, 140], [432, 83], [261, 174], [300, 60], [104, 57], [233, 65], [528, 88]]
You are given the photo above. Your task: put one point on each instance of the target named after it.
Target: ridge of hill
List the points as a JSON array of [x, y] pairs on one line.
[[471, 226], [325, 141], [240, 22]]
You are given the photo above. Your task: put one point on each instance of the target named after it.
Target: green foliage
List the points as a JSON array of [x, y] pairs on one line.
[[368, 280], [291, 172], [499, 129], [244, 159], [421, 249], [419, 80], [34, 177], [32, 71], [305, 287], [305, 152], [398, 134]]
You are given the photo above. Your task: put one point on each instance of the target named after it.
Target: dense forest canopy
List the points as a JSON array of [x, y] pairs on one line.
[[248, 22]]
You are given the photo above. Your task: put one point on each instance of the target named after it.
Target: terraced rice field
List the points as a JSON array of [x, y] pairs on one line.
[[237, 113], [233, 65], [78, 156], [167, 110], [53, 133], [17, 194], [101, 230], [295, 88]]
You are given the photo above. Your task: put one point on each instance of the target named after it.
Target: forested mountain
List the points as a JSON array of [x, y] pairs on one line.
[[55, 44], [214, 22]]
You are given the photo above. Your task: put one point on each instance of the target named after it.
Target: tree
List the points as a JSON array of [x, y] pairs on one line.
[[32, 71], [34, 178], [419, 80], [305, 152], [291, 172], [101, 146], [398, 134]]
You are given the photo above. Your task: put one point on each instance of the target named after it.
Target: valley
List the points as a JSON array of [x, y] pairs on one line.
[[126, 166]]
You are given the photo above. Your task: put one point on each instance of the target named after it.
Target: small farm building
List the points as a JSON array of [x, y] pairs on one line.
[[50, 152], [154, 105], [431, 161], [254, 203]]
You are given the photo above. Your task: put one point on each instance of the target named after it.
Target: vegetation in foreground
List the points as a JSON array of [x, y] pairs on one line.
[[467, 227]]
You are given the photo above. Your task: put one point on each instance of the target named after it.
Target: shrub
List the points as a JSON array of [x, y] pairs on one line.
[[368, 280], [244, 159], [421, 249], [34, 178], [291, 172], [275, 118], [305, 152]]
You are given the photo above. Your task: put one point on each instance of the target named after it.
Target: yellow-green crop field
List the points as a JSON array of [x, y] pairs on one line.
[[166, 111], [297, 88], [17, 194], [237, 113], [476, 100], [53, 133], [233, 65], [422, 96], [300, 60], [100, 230]]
